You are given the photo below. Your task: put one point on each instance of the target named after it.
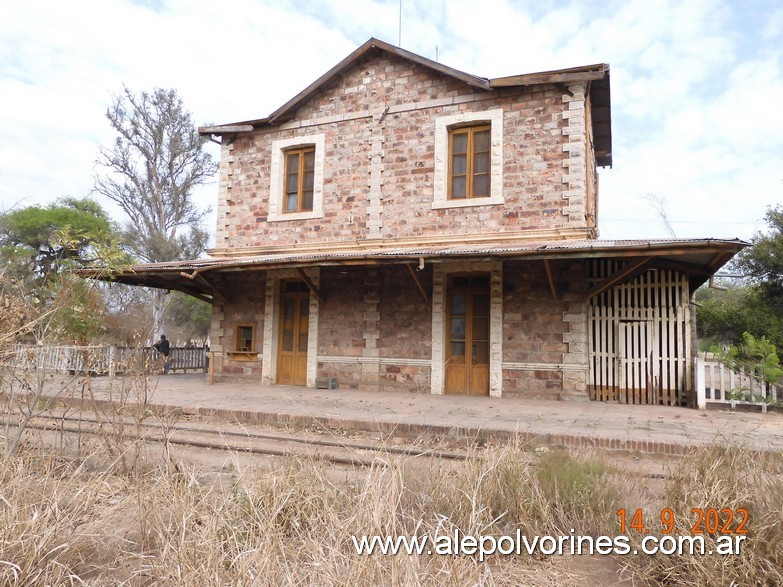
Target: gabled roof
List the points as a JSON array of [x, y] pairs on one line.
[[597, 75]]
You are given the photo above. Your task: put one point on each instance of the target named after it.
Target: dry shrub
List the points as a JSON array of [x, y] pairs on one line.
[[725, 477], [549, 492], [577, 493], [56, 521], [291, 523]]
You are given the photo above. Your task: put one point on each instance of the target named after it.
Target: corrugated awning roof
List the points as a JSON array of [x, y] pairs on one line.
[[702, 257]]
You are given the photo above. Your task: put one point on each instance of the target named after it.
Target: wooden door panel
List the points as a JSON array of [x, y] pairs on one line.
[[479, 380], [467, 346], [294, 329], [456, 379]]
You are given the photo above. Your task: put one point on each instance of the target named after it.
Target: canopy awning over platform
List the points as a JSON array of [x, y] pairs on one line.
[[699, 258]]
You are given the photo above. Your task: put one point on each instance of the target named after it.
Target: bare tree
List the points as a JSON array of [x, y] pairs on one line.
[[660, 205], [154, 164]]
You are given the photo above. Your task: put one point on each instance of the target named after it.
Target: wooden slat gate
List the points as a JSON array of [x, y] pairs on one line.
[[639, 338]]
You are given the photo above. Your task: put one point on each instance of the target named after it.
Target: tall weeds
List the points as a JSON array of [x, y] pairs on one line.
[[290, 523], [725, 478]]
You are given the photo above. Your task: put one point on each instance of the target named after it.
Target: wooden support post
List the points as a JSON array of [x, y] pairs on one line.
[[701, 391], [416, 280], [197, 277], [549, 279], [310, 284]]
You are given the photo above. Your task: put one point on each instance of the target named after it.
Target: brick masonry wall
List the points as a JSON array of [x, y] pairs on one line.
[[387, 344], [341, 323], [406, 318], [386, 158], [405, 329], [372, 316], [245, 308], [544, 339]]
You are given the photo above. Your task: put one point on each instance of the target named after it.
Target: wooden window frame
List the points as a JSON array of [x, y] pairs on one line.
[[277, 168], [494, 118], [237, 341], [470, 155], [300, 191]]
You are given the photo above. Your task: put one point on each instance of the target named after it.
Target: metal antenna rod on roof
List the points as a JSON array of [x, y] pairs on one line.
[[399, 34]]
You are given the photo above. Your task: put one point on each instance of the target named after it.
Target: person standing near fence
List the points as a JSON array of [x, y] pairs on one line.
[[164, 348]]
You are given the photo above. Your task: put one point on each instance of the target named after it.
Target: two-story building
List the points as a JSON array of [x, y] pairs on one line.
[[403, 225]]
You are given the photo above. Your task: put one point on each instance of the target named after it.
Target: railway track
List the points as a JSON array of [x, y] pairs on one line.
[[239, 440], [217, 439]]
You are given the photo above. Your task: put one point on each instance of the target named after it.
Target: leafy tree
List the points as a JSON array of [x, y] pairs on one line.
[[755, 357], [763, 262], [153, 166], [191, 316], [46, 240], [724, 316], [756, 305], [39, 246]]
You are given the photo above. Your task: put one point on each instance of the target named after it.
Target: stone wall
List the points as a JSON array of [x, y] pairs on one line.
[[405, 329], [544, 337], [245, 306], [380, 147], [341, 324], [375, 329]]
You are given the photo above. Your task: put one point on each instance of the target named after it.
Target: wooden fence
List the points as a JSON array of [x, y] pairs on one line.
[[716, 384], [104, 360], [639, 338]]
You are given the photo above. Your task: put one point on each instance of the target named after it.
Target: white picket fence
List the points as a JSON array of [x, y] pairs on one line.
[[717, 384], [103, 360]]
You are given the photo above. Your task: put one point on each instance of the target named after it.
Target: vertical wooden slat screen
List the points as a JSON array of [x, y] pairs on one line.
[[639, 337]]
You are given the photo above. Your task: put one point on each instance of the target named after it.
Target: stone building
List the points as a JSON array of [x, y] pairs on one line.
[[401, 225]]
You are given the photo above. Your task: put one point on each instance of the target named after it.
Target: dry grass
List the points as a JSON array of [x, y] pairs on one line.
[[285, 525], [732, 478], [65, 522]]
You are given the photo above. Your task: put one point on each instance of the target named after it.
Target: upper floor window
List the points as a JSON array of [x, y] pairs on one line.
[[296, 178], [299, 180], [469, 157]]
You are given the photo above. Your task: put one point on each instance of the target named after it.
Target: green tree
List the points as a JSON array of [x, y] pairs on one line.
[[755, 305], [152, 168], [39, 249], [763, 262], [191, 316], [45, 240], [755, 357], [724, 316]]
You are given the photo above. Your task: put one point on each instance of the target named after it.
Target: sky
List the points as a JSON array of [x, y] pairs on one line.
[[697, 86]]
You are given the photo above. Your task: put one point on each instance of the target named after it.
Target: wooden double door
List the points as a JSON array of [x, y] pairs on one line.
[[467, 326], [293, 333]]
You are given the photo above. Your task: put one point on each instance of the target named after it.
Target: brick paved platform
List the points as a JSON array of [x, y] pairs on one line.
[[642, 428]]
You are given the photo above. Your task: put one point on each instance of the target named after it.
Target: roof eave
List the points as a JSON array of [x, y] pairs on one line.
[[287, 110], [586, 73], [583, 73], [182, 275]]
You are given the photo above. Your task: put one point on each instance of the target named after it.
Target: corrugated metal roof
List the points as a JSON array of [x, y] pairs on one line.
[[526, 249], [699, 257]]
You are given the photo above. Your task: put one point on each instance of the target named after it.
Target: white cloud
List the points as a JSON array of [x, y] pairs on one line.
[[695, 83]]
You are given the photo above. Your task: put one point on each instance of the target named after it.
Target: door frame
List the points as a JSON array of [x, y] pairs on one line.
[[470, 369], [301, 298], [272, 324], [441, 271]]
